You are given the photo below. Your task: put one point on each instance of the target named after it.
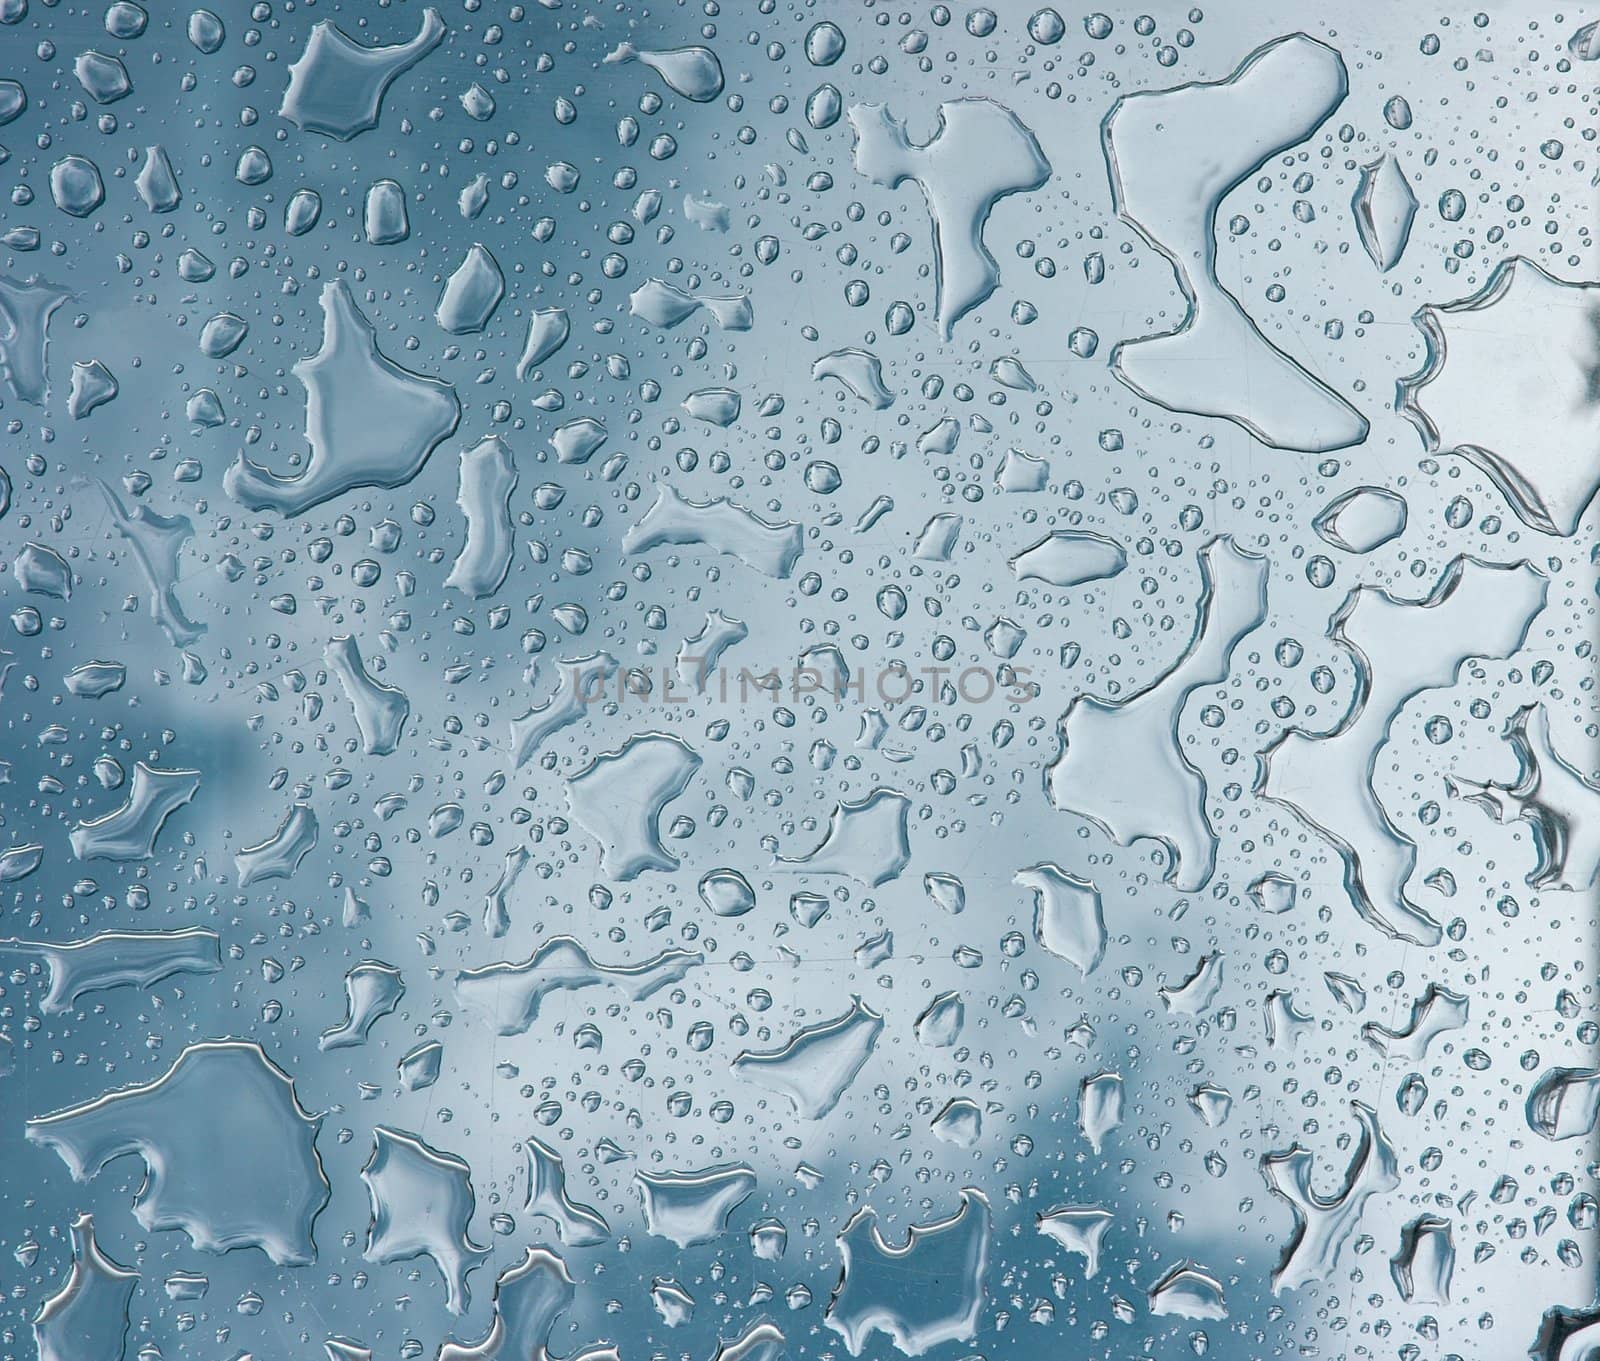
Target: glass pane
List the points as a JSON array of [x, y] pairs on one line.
[[730, 680]]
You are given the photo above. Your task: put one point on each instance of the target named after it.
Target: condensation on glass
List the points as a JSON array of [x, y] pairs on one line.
[[746, 679]]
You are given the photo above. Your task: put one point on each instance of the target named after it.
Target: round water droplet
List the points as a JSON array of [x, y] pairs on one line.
[[1047, 27], [206, 31], [727, 893], [13, 100], [125, 20], [75, 186], [823, 477], [824, 44], [254, 167], [1397, 113], [824, 107]]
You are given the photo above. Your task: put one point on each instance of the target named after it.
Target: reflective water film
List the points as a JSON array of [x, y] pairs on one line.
[[742, 679]]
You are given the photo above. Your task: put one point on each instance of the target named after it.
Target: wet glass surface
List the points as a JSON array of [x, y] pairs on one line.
[[735, 680]]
